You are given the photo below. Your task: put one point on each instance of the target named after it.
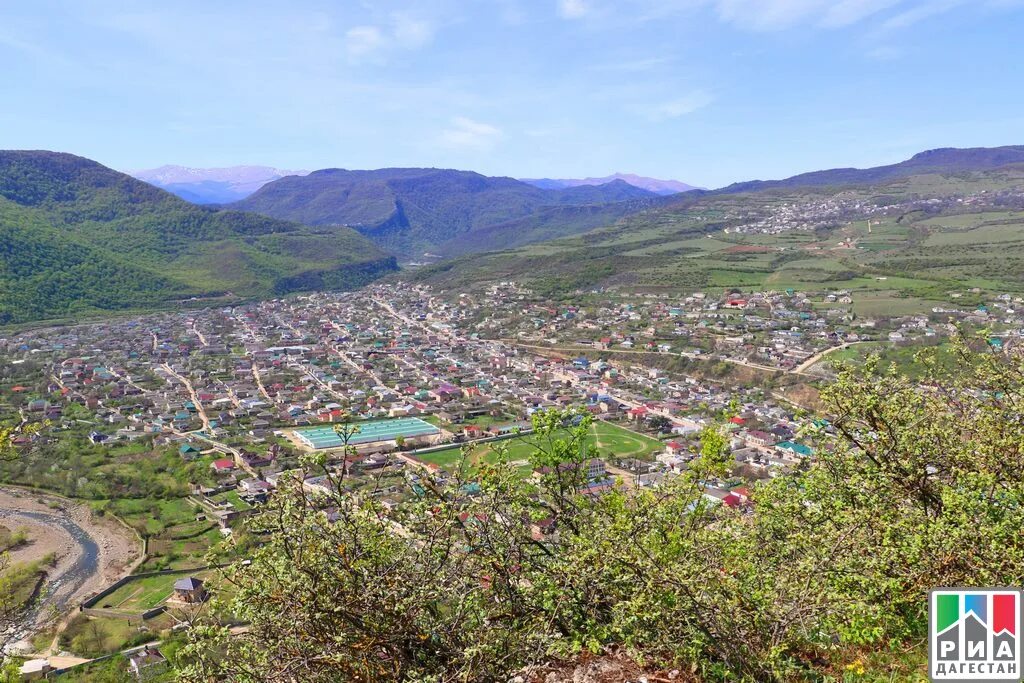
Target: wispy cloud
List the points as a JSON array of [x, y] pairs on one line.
[[773, 15], [573, 9], [467, 134], [847, 12], [361, 41], [411, 32], [402, 31], [680, 106], [920, 12], [633, 65], [778, 15]]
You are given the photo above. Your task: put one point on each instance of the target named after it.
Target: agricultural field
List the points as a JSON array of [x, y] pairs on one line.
[[921, 254], [141, 594], [905, 358], [145, 593], [176, 539]]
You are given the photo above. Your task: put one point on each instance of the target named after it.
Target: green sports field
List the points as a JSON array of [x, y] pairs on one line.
[[610, 440]]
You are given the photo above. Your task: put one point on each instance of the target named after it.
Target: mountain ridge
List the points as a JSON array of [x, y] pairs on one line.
[[412, 210], [942, 159], [658, 186], [700, 239], [78, 237]]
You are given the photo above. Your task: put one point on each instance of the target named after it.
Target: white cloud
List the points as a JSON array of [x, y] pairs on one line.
[[572, 9], [767, 15], [361, 41], [411, 33], [848, 12], [920, 12], [680, 106], [467, 134], [777, 15], [404, 32]]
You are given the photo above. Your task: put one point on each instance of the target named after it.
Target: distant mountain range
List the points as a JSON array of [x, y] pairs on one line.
[[212, 185], [412, 211], [77, 238], [661, 187]]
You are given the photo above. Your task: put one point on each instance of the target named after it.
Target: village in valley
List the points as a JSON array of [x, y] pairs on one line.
[[219, 404]]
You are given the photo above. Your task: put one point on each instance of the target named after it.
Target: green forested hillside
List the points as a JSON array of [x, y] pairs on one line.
[[412, 210], [77, 237]]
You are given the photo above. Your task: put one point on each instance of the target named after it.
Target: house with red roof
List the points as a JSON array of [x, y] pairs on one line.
[[638, 413], [222, 466]]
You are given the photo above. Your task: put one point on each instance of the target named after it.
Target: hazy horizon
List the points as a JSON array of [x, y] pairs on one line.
[[707, 92]]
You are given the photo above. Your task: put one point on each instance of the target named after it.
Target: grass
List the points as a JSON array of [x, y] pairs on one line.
[[986, 234], [152, 517], [609, 439], [11, 539], [904, 358], [87, 636], [888, 303], [164, 523], [19, 582], [143, 593]]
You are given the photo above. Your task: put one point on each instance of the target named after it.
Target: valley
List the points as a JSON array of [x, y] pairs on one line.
[[678, 321], [575, 341]]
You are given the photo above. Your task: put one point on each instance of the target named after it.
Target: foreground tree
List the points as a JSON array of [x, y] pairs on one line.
[[918, 484]]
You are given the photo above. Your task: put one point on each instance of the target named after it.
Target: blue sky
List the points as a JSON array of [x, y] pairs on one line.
[[705, 91]]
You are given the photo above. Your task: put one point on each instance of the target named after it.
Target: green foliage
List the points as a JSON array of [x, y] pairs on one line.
[[72, 466], [76, 237], [922, 487]]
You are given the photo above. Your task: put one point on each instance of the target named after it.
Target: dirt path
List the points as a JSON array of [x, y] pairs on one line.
[[90, 552], [810, 362]]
